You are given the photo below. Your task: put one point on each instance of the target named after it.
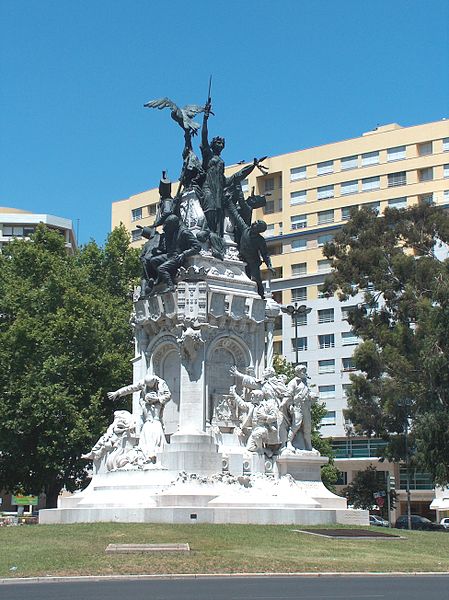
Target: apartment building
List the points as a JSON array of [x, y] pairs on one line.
[[16, 223], [310, 194]]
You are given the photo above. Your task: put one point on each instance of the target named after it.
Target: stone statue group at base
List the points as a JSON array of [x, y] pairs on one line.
[[274, 415]]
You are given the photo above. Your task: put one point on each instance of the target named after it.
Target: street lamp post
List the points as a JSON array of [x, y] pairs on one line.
[[407, 470], [406, 404], [295, 310]]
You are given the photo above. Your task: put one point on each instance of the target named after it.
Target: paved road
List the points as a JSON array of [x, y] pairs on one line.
[[264, 588]]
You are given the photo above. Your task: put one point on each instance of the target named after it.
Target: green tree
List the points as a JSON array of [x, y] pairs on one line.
[[329, 472], [64, 342], [404, 325], [360, 492]]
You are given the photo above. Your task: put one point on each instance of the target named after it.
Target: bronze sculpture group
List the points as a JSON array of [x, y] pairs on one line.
[[218, 197]]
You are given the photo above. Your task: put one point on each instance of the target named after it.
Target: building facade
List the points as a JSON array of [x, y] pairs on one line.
[[16, 223], [309, 197]]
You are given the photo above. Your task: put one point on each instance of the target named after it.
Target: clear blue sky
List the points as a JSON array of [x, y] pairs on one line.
[[287, 74]]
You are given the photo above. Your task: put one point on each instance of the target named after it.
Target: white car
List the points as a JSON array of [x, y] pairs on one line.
[[445, 522], [375, 520]]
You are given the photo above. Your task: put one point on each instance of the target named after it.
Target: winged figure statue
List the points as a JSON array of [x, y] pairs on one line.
[[183, 116]]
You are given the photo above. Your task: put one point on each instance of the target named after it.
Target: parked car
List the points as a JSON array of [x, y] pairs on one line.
[[418, 522], [375, 520], [445, 522]]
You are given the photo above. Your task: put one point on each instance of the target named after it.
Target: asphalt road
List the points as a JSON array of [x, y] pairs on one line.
[[242, 588]]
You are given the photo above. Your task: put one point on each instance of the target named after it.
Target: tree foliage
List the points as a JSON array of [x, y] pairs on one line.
[[360, 492], [329, 472], [64, 342], [404, 325]]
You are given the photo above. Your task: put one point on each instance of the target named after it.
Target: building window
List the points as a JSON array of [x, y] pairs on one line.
[[395, 179], [326, 315], [326, 366], [152, 210], [424, 149], [446, 195], [349, 187], [323, 239], [346, 212], [370, 183], [268, 185], [298, 221], [348, 338], [326, 341], [325, 216], [245, 185], [373, 206], [446, 145], [426, 198], [325, 191], [324, 265], [299, 343], [329, 418], [298, 197], [270, 229], [342, 478], [323, 168], [136, 234], [398, 203], [268, 209], [348, 364], [349, 162], [397, 153], [326, 392], [28, 231], [13, 231], [299, 245], [136, 214], [345, 312], [445, 171], [370, 158], [298, 173], [300, 319], [299, 294], [425, 174], [346, 389], [299, 269]]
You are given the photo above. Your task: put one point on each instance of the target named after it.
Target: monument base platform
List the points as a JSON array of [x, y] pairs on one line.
[[159, 495]]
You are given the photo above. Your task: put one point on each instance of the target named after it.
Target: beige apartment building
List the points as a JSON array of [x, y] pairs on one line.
[[309, 197]]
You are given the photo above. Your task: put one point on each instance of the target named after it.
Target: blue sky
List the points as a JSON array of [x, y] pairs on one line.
[[287, 74]]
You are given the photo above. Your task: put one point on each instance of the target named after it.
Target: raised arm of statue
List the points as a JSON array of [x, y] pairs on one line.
[[125, 391], [244, 171], [206, 151], [238, 399]]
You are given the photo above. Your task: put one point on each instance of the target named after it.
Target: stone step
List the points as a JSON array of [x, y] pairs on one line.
[[138, 548]]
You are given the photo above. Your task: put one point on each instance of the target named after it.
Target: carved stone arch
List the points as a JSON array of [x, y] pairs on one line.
[[163, 360], [225, 352]]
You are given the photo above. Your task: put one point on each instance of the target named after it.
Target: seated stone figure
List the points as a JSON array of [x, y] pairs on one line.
[[123, 426], [161, 262], [261, 418]]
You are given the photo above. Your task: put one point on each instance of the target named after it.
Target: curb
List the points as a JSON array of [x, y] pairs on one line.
[[98, 578]]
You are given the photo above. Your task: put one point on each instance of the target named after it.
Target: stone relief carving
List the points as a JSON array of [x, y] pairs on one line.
[[154, 394], [277, 414], [112, 443], [190, 342]]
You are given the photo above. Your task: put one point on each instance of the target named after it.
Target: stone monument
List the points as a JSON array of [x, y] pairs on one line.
[[215, 435]]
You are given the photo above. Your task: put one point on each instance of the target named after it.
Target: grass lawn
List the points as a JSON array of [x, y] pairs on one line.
[[80, 550]]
